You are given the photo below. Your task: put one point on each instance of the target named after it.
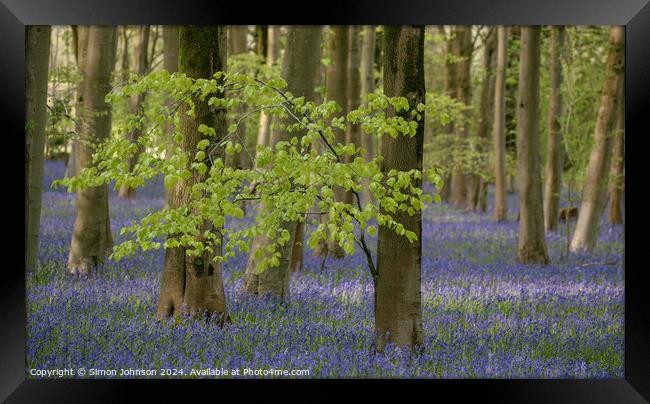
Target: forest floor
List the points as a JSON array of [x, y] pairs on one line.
[[485, 315]]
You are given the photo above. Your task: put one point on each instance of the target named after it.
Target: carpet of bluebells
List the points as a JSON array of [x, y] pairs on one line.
[[485, 315]]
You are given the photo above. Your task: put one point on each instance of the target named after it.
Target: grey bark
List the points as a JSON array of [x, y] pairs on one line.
[[135, 103], [299, 70], [498, 131], [37, 54], [595, 185], [555, 144], [92, 237], [531, 246]]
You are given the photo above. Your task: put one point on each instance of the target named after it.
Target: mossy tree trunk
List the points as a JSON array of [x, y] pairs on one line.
[[92, 238], [299, 70], [194, 285], [531, 247], [398, 300], [596, 174], [37, 54]]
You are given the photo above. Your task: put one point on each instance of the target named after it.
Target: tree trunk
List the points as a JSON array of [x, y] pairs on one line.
[[451, 79], [477, 187], [261, 39], [514, 33], [125, 53], [91, 237], [596, 174], [136, 102], [299, 70], [616, 180], [337, 83], [555, 144], [170, 63], [37, 54], [531, 247], [458, 196], [272, 54], [194, 285], [353, 92], [498, 131], [238, 45], [398, 301], [368, 87]]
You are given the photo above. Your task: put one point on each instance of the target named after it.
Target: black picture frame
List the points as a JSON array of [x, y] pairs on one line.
[[634, 14]]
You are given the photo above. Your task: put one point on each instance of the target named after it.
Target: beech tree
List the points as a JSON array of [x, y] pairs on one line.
[[367, 78], [291, 180], [91, 237], [451, 75], [398, 302], [499, 129], [299, 68], [531, 247], [237, 35], [458, 191], [555, 144], [170, 63], [272, 55], [595, 185], [616, 180], [37, 54], [141, 61], [477, 192], [336, 91], [193, 283]]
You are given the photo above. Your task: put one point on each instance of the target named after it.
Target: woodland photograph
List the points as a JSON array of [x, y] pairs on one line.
[[335, 201]]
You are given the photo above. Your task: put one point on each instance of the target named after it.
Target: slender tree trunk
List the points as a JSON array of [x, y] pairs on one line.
[[595, 186], [353, 132], [477, 187], [261, 39], [337, 84], [531, 247], [616, 180], [136, 102], [272, 55], [368, 87], [37, 54], [458, 178], [125, 53], [514, 33], [170, 63], [194, 285], [451, 79], [91, 237], [555, 144], [238, 45], [299, 70], [398, 300], [498, 131]]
